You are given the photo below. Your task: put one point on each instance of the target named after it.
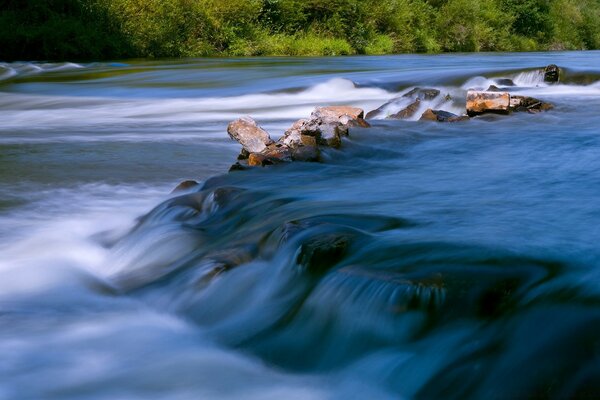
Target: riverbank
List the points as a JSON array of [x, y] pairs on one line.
[[117, 29]]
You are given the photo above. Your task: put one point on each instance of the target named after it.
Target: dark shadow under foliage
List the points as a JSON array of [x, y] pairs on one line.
[[59, 30]]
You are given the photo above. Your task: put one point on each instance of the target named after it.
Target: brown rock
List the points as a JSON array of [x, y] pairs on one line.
[[528, 104], [337, 112], [345, 115], [256, 160], [487, 102], [442, 116], [407, 112], [306, 154], [252, 137], [185, 186]]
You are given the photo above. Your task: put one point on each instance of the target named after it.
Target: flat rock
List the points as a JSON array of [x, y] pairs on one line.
[[252, 137], [487, 102], [342, 114]]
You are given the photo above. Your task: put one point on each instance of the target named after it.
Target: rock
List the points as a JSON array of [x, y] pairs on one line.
[[306, 154], [331, 135], [345, 115], [297, 134], [257, 160], [322, 252], [243, 154], [505, 82], [373, 113], [416, 94], [252, 137], [422, 94], [551, 73], [326, 125], [493, 88], [239, 166], [528, 104], [487, 102], [407, 112], [185, 186], [273, 154], [442, 116]]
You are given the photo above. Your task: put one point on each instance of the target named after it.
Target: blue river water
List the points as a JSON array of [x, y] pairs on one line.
[[461, 260]]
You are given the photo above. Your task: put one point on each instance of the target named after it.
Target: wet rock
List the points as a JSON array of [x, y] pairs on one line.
[[416, 94], [252, 137], [422, 94], [551, 73], [487, 102], [442, 116], [528, 104], [185, 186], [504, 82], [373, 113], [306, 154], [243, 154], [241, 165], [257, 160], [493, 88], [273, 154], [322, 252], [407, 112]]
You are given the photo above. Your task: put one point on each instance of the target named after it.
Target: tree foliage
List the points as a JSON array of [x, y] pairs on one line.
[[104, 29]]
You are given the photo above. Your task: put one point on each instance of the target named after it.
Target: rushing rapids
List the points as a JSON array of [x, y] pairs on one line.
[[417, 260]]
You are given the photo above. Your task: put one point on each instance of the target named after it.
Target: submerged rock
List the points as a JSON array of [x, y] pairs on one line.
[[246, 132], [442, 116], [487, 102], [185, 186], [505, 82], [320, 253], [551, 73]]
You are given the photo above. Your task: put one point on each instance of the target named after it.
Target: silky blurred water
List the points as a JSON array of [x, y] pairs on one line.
[[465, 264]]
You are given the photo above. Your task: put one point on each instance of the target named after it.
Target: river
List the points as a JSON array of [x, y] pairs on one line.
[[468, 264]]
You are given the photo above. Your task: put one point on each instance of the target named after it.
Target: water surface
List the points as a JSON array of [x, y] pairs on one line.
[[464, 261]]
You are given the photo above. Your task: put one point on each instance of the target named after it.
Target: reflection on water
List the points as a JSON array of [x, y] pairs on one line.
[[419, 261]]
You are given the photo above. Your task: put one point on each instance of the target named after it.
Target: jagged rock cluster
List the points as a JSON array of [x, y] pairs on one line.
[[326, 126], [301, 142], [492, 100]]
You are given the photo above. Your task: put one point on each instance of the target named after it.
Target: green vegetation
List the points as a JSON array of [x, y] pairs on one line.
[[111, 29]]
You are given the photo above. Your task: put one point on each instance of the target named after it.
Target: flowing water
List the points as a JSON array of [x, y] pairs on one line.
[[420, 260]]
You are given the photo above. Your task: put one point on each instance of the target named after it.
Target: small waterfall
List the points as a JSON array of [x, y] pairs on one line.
[[530, 79]]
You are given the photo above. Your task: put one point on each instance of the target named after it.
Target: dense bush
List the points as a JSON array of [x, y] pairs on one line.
[[103, 29]]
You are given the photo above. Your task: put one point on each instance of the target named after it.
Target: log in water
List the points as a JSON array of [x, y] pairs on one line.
[[419, 260]]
